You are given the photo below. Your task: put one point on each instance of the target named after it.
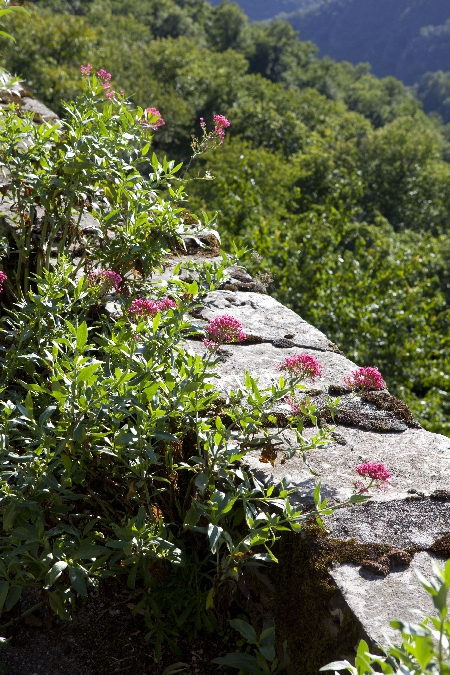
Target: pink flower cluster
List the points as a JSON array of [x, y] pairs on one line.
[[365, 378], [141, 308], [222, 331], [3, 278], [221, 123], [374, 472], [85, 70], [301, 365], [105, 77], [152, 112], [107, 279]]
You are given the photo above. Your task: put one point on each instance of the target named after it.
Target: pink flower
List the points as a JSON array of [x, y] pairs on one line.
[[365, 378], [374, 472], [85, 70], [103, 75], [107, 279], [142, 308], [221, 121], [293, 404], [110, 94], [301, 365], [152, 113], [105, 85], [3, 278], [223, 330]]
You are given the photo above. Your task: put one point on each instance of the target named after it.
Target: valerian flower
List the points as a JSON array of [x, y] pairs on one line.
[[221, 123], [375, 473], [223, 330], [214, 138], [104, 75], [106, 279], [304, 366], [153, 113], [3, 278], [85, 70], [146, 308], [366, 379]]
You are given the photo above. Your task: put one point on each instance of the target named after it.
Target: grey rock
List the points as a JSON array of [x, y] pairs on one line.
[[261, 361], [41, 112], [401, 523], [375, 601], [264, 319], [411, 468]]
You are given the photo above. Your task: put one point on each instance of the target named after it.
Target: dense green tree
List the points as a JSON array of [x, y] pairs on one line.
[[434, 92]]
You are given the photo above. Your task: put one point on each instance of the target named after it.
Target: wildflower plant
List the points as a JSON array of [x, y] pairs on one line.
[[365, 379], [118, 457], [301, 366], [223, 330], [374, 474]]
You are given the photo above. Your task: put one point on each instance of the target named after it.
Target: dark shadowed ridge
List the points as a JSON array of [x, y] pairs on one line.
[[404, 38], [260, 10]]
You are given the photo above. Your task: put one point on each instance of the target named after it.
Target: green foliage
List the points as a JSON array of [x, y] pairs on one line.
[[264, 660], [118, 457], [424, 647], [434, 92]]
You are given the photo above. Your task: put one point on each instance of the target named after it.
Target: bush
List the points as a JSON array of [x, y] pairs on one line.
[[118, 457]]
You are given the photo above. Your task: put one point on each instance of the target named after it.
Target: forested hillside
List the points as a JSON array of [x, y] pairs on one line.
[[337, 179], [259, 10], [405, 38]]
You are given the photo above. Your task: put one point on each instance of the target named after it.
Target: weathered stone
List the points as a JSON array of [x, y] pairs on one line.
[[41, 112], [265, 318], [402, 523], [385, 401], [402, 453], [261, 360], [376, 600]]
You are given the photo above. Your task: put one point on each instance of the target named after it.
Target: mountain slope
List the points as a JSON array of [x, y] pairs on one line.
[[405, 38], [260, 10]]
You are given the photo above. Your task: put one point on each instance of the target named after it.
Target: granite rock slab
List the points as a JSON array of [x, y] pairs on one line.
[[375, 601], [261, 360], [264, 319], [418, 460]]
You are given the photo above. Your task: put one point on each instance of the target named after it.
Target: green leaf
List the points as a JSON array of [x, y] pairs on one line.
[[339, 665], [82, 336], [77, 579], [86, 373], [13, 597], [245, 662], [55, 572], [88, 552], [214, 534], [175, 668], [245, 629], [4, 590]]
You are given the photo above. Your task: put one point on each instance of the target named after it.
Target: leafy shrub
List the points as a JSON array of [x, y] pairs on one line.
[[118, 456]]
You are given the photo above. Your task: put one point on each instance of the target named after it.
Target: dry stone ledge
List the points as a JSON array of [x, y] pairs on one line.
[[414, 512], [265, 320], [375, 600]]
